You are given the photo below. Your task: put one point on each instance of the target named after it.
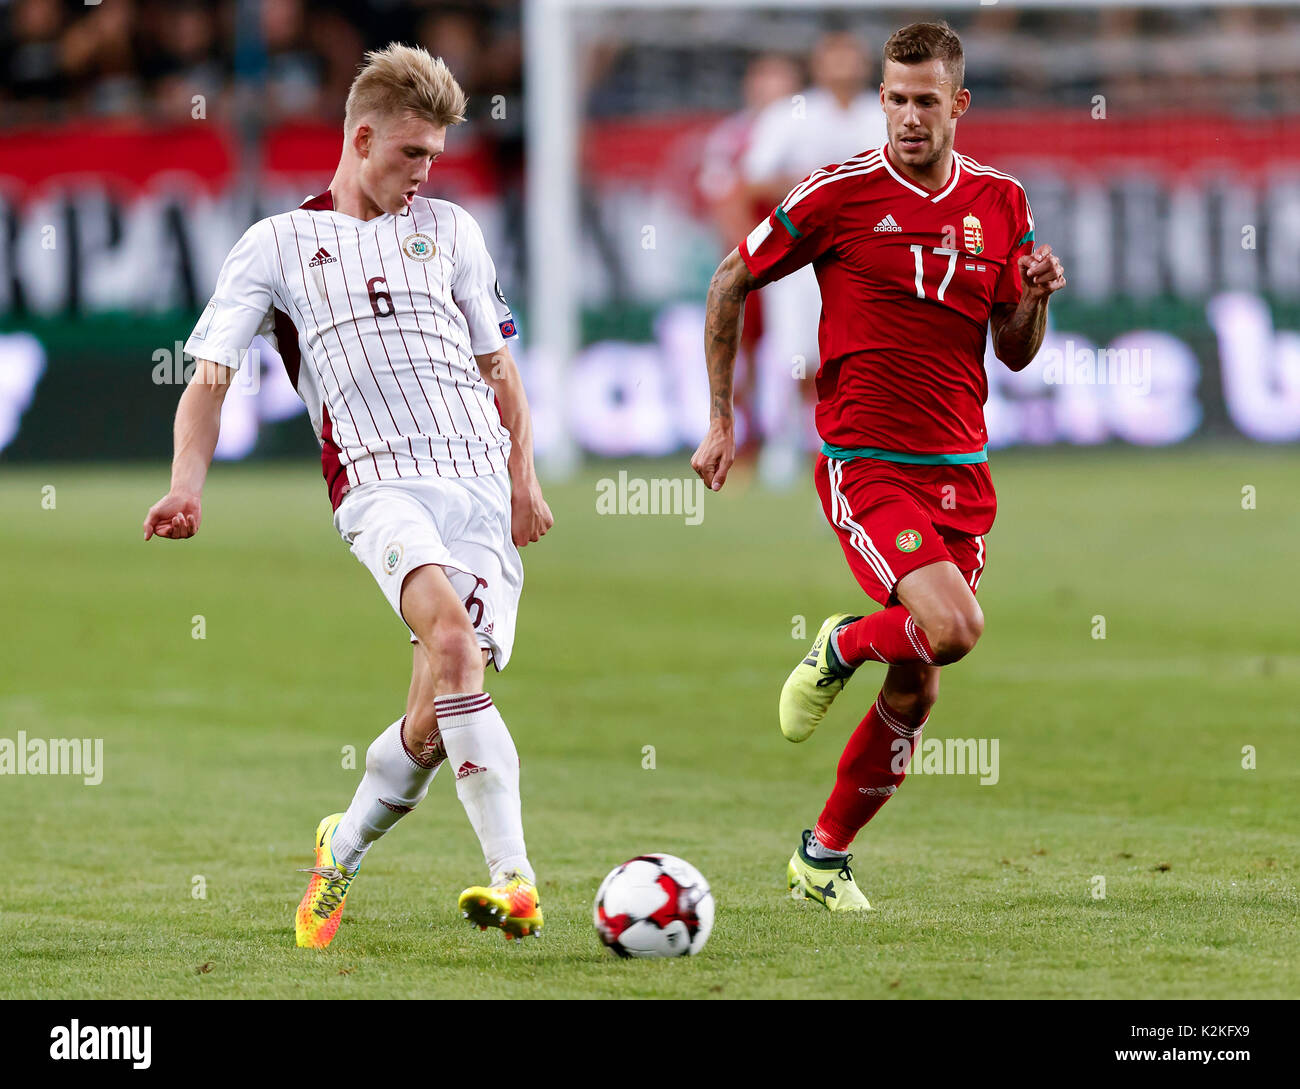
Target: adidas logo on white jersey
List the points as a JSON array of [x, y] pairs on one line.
[[322, 257], [888, 224]]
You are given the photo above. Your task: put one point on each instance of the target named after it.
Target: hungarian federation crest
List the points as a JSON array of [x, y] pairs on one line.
[[973, 230], [419, 247], [908, 541]]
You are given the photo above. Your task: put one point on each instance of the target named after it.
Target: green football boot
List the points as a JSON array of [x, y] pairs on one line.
[[814, 684], [825, 881]]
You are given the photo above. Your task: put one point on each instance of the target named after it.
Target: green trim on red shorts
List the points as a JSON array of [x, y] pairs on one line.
[[848, 453]]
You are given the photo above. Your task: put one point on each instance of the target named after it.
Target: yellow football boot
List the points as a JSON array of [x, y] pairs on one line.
[[814, 684], [825, 881], [510, 903], [321, 908]]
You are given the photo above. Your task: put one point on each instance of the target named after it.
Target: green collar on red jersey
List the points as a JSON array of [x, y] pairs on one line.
[[848, 453]]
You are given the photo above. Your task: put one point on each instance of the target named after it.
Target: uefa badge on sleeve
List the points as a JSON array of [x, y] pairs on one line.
[[392, 557], [418, 247]]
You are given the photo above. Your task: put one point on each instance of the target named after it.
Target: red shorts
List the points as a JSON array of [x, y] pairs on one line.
[[892, 519]]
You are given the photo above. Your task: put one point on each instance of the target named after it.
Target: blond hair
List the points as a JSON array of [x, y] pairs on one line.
[[402, 79]]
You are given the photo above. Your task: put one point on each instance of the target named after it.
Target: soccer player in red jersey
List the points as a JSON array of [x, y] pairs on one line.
[[918, 251]]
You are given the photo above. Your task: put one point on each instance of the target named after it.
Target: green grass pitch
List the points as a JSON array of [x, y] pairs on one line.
[[1120, 758]]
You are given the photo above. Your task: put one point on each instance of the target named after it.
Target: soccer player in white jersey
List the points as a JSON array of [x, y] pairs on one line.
[[385, 309]]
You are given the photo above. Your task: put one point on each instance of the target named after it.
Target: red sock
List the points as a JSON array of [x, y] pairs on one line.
[[890, 636], [870, 770]]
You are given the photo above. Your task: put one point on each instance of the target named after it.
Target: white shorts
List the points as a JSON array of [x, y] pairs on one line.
[[461, 524]]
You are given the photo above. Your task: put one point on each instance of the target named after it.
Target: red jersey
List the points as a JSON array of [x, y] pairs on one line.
[[908, 279]]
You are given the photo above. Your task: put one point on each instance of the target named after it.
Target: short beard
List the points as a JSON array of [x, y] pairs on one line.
[[940, 149]]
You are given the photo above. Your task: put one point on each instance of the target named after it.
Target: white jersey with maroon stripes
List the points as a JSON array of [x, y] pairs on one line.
[[378, 323]]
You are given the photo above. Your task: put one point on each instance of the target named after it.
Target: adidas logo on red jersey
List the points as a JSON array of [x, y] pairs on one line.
[[467, 769], [889, 224], [323, 257]]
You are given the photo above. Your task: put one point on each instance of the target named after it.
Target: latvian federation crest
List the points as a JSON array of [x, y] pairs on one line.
[[420, 247], [974, 234]]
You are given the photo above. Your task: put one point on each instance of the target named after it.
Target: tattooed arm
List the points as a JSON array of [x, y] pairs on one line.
[[1018, 329], [722, 319]]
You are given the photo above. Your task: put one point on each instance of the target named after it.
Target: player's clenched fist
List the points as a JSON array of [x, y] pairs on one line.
[[1041, 272], [713, 457], [530, 516], [175, 516]]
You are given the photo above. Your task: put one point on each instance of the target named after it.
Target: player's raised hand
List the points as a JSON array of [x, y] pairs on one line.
[[530, 516], [175, 515], [713, 458], [1041, 272]]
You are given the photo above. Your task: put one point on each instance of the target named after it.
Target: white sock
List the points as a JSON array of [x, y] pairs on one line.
[[481, 752], [814, 848], [395, 782]]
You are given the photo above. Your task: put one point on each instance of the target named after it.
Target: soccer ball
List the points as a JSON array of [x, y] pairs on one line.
[[654, 906]]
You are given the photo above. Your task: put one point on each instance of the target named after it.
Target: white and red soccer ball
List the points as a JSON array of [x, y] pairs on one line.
[[654, 906]]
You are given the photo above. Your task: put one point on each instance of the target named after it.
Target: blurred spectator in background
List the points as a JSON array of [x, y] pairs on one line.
[[296, 73], [1236, 59], [62, 58], [454, 36], [836, 118], [482, 47], [770, 78], [102, 55], [33, 56], [734, 210], [1280, 89], [340, 45], [1117, 48], [183, 59]]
